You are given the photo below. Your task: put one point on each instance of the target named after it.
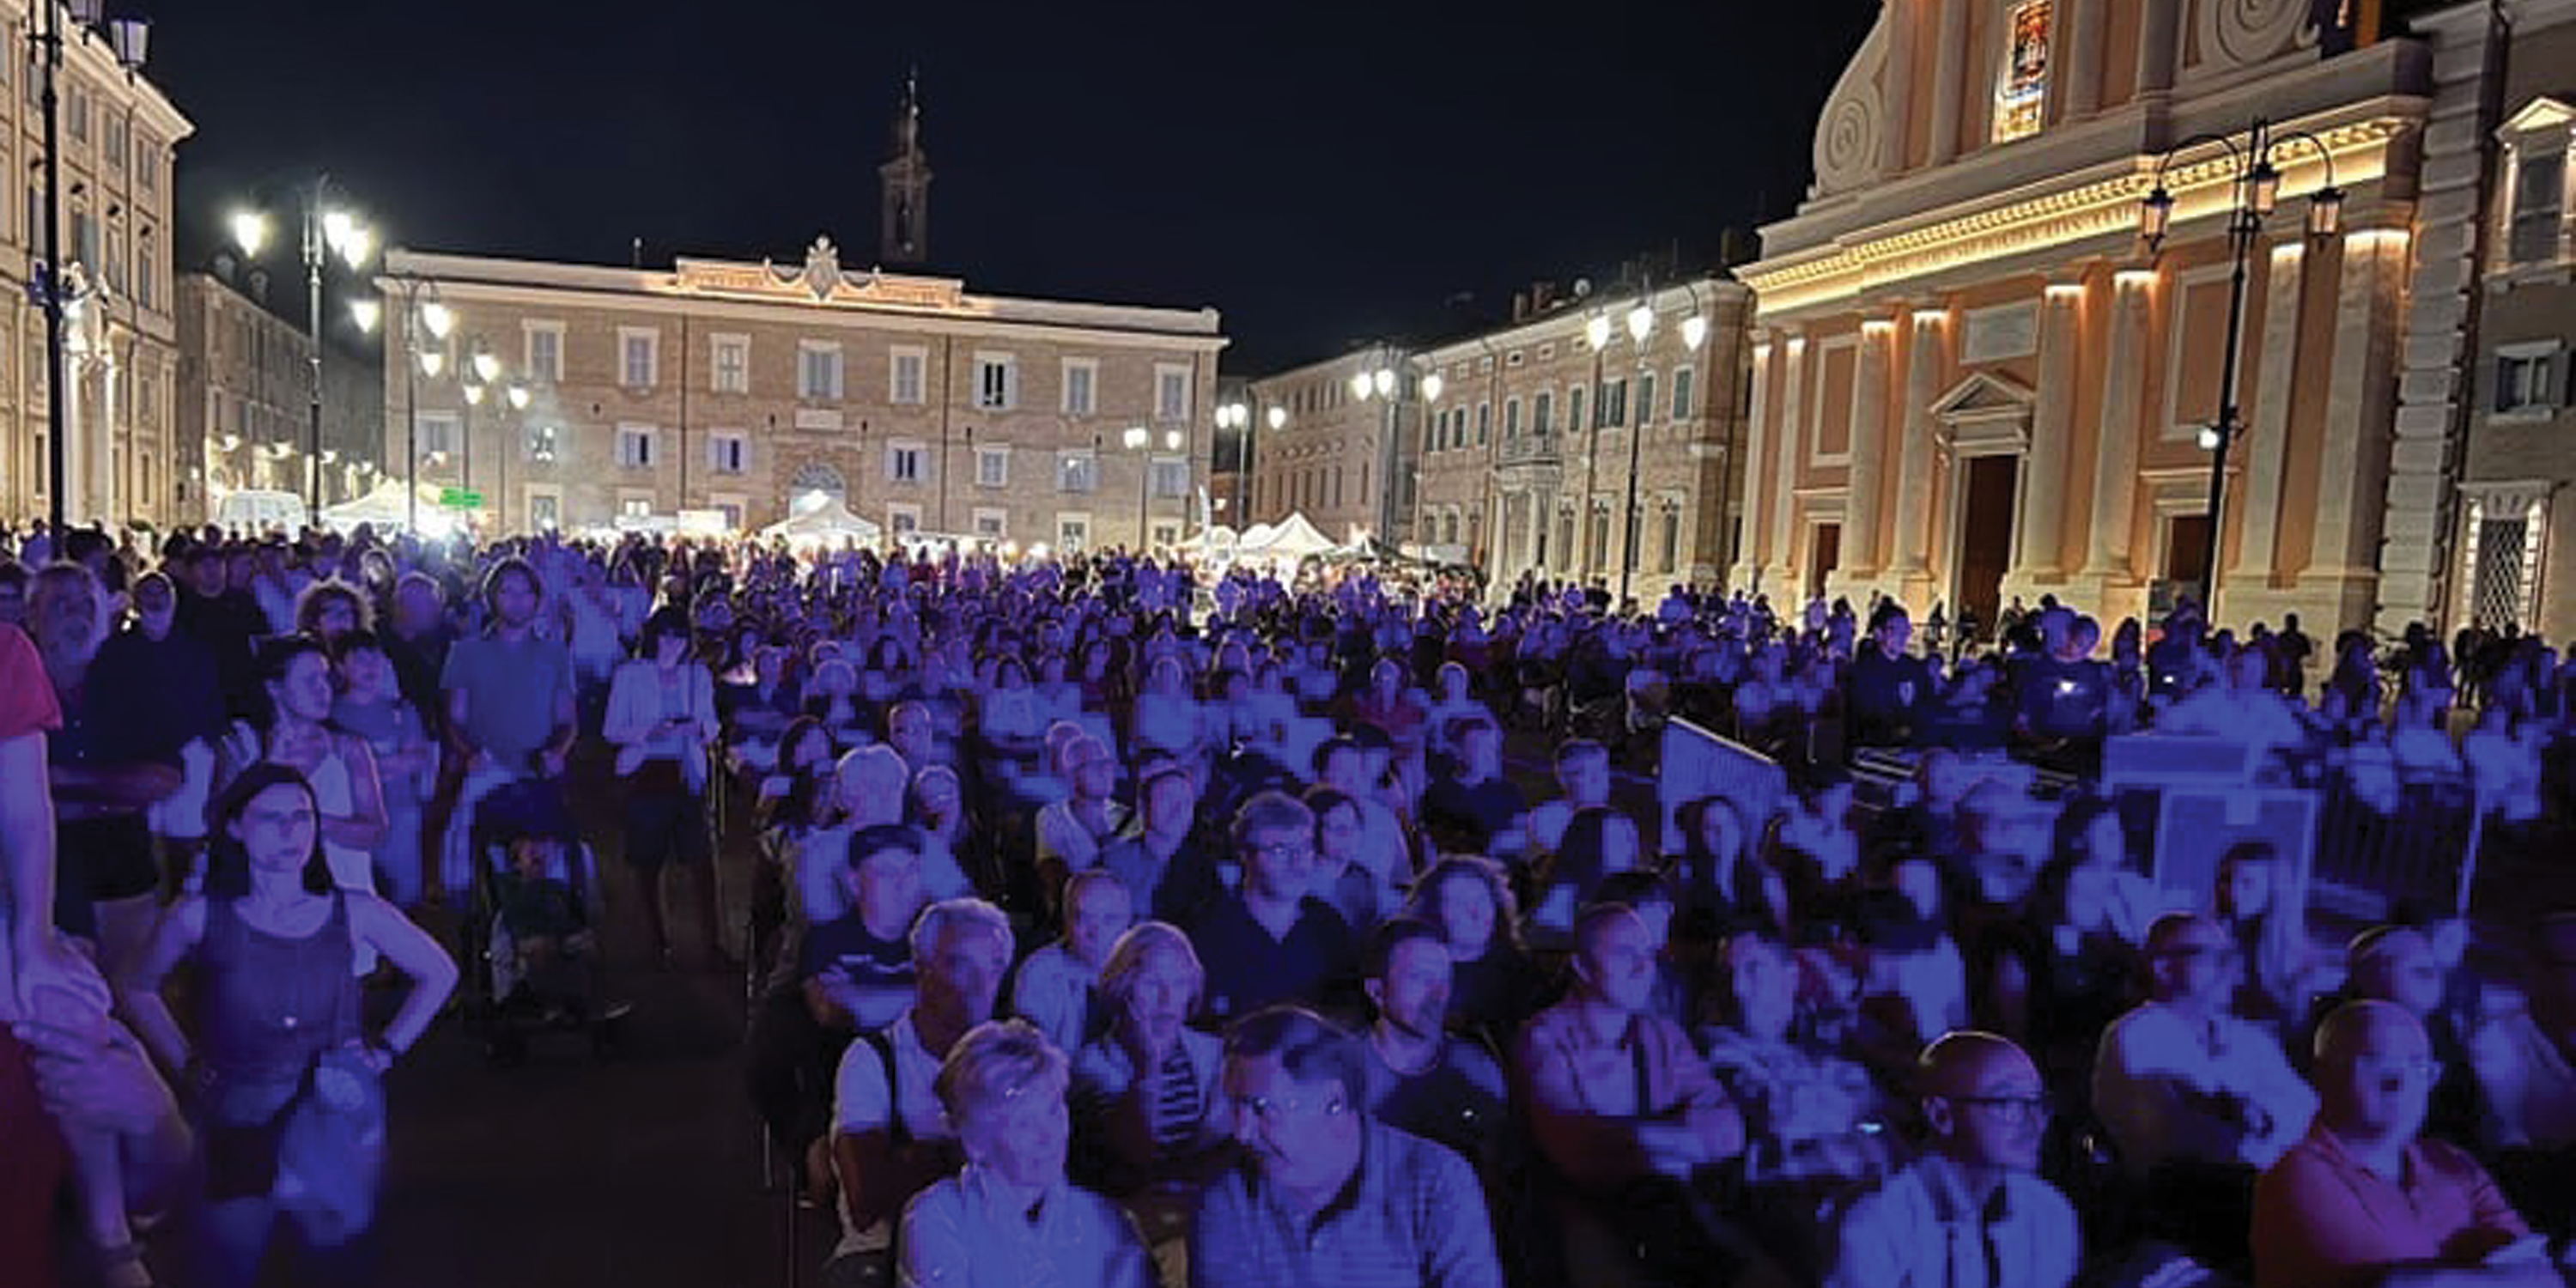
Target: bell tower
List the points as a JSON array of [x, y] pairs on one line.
[[903, 217]]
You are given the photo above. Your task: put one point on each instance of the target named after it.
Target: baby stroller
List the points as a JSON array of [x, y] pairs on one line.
[[536, 911]]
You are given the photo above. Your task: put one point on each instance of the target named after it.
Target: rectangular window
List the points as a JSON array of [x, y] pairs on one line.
[[115, 147], [818, 371], [1542, 412], [78, 116], [903, 376], [2530, 380], [437, 432], [1511, 419], [543, 442], [1682, 393], [1574, 415], [1171, 393], [147, 163], [1081, 382], [2539, 202], [1171, 476], [992, 524], [903, 520], [1645, 398], [2021, 84], [904, 461], [1072, 533], [1077, 471], [1610, 410], [996, 382], [545, 510], [728, 453], [1484, 423], [635, 446], [544, 356], [729, 363], [639, 358], [634, 507], [992, 467]]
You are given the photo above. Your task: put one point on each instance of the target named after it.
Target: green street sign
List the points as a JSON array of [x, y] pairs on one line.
[[457, 498]]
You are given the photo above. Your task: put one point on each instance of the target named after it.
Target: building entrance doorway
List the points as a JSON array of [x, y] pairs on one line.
[[1828, 556], [1988, 495]]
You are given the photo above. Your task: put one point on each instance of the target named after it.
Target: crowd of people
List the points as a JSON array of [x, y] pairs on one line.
[[1112, 921]]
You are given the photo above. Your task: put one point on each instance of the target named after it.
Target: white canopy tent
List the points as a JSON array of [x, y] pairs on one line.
[[826, 520], [1294, 538], [385, 508]]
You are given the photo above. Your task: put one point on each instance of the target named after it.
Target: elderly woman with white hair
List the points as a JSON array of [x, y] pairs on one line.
[[1010, 1217]]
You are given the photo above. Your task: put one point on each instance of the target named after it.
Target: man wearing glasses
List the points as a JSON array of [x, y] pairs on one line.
[[1324, 1195], [1272, 940], [2364, 1198], [2196, 1098], [1972, 1210]]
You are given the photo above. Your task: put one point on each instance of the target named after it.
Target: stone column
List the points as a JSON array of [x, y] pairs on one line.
[[1791, 391], [2352, 465], [2052, 425], [2083, 47], [2256, 497], [2115, 461], [1949, 80], [1748, 556], [1868, 446], [1926, 353]]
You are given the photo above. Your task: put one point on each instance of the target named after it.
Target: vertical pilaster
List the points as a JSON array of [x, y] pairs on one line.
[[2043, 484], [2257, 498], [1868, 445], [1949, 80], [1926, 356], [2084, 20], [1793, 444], [2159, 46], [1896, 84], [2352, 465], [2115, 460], [1748, 557]]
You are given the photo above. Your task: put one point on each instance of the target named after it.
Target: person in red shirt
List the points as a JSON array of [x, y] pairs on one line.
[[2364, 1200]]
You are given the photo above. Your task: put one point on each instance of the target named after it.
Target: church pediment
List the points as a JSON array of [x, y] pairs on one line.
[[2542, 113], [1984, 396]]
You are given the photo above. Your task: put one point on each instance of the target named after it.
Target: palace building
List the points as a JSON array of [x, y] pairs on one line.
[[1974, 380]]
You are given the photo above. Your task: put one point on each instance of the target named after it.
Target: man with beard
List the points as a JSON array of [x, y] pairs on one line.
[[509, 704], [1422, 1080]]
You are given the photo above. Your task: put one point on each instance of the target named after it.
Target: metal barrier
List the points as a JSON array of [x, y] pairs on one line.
[[2423, 852]]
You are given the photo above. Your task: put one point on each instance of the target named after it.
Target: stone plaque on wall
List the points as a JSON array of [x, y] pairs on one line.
[[1995, 334]]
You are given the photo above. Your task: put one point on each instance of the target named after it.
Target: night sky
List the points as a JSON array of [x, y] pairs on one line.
[[1327, 173]]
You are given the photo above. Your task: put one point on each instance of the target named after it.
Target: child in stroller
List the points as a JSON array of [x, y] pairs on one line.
[[544, 948]]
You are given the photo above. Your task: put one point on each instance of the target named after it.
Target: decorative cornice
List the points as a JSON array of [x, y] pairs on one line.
[[1874, 261]]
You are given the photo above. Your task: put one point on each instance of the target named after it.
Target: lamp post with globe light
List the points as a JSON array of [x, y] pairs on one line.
[[2254, 191], [327, 232], [129, 38]]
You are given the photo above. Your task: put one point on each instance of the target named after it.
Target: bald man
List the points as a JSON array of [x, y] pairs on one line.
[[2181, 1080], [2363, 1200], [1972, 1210], [2400, 964]]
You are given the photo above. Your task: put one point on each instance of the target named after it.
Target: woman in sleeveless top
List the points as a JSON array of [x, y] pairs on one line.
[[339, 767], [277, 1027]]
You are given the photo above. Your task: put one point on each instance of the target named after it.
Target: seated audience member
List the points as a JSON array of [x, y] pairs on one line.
[[2196, 1099], [2362, 1199], [1645, 894], [1724, 887], [1341, 878], [1146, 1110], [1913, 984], [1165, 874], [1423, 1081], [2062, 972], [1322, 1193], [914, 734], [2527, 1090], [1355, 766], [1057, 988], [1272, 940], [1010, 1219], [1583, 774], [1470, 807], [1072, 831], [949, 846], [1594, 844], [1492, 983], [1623, 1110], [869, 785], [1972, 1210], [2263, 907], [890, 1138], [2398, 965]]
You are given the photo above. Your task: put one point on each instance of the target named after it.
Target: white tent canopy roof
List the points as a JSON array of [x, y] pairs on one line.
[[823, 522]]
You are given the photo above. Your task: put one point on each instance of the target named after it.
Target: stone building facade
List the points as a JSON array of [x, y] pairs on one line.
[[1974, 380], [2497, 173], [1340, 442], [245, 390], [737, 387], [1532, 429], [125, 458]]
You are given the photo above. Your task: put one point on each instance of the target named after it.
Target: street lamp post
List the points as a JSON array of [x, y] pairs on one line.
[[130, 38], [1596, 336], [325, 232], [1641, 324], [1383, 384], [1237, 417], [2254, 189], [418, 360]]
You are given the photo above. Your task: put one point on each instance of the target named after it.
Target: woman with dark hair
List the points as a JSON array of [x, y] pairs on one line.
[[289, 1103], [2060, 976], [1492, 985], [661, 717], [1724, 886], [339, 767]]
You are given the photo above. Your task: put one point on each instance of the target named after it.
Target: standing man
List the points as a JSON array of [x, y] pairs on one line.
[[509, 705], [1324, 1194]]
